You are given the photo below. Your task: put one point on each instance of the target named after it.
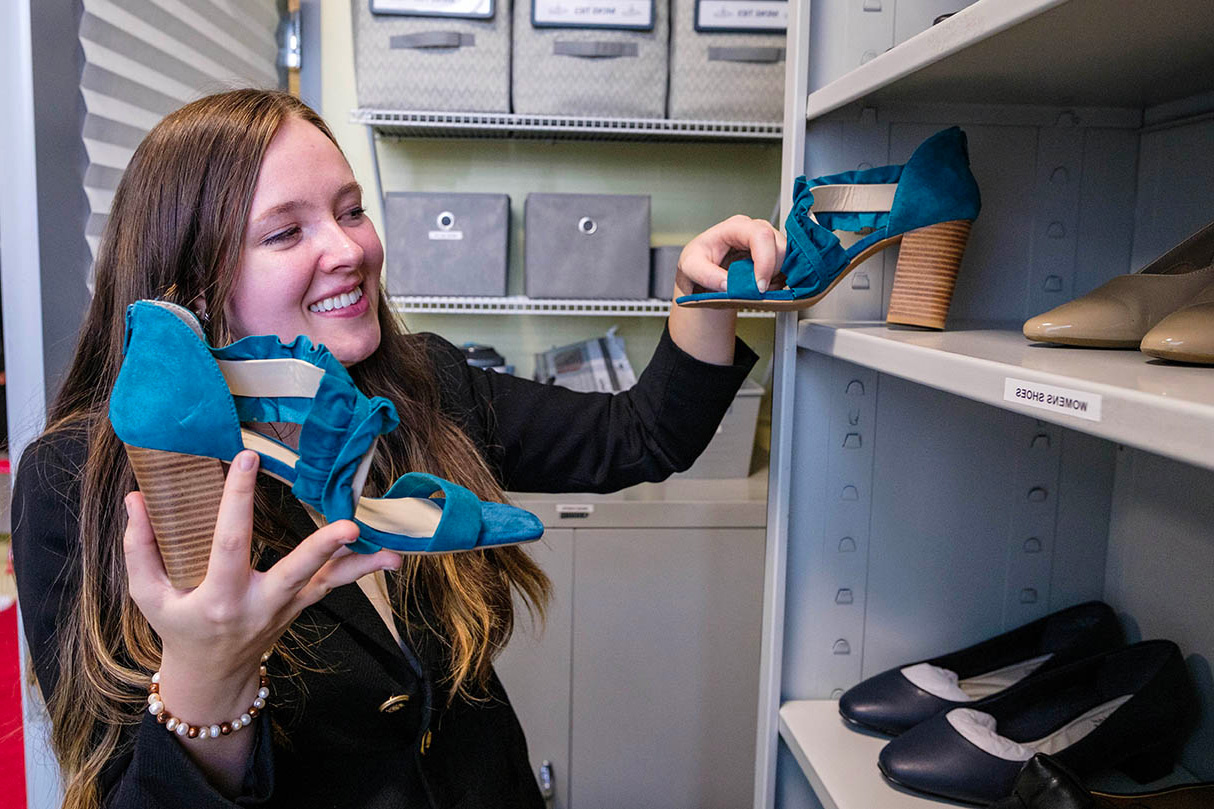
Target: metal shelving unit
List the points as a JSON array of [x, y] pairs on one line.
[[432, 124], [522, 305], [886, 478]]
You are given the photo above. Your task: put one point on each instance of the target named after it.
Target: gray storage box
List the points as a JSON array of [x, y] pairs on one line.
[[721, 68], [587, 246], [429, 60], [728, 454], [447, 244], [583, 70], [664, 263]]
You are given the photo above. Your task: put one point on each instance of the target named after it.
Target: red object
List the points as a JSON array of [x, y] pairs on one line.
[[12, 746]]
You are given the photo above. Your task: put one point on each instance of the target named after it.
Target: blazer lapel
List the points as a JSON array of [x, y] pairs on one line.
[[349, 607]]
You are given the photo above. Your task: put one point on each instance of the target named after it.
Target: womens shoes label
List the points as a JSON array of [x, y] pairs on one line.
[[1078, 403], [741, 15], [626, 14], [473, 9]]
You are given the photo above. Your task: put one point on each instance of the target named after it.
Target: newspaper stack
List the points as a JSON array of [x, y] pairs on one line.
[[598, 365]]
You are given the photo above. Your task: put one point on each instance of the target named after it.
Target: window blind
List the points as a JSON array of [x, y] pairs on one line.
[[145, 58]]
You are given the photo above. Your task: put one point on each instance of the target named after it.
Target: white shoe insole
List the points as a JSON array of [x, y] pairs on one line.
[[415, 517], [943, 683], [980, 730]]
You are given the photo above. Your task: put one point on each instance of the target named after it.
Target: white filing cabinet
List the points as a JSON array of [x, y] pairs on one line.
[[641, 690]]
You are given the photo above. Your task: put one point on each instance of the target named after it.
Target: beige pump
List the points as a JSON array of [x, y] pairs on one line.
[[1119, 313], [1186, 335]]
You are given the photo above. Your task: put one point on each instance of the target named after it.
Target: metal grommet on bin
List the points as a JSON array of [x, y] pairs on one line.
[[587, 226], [446, 220]]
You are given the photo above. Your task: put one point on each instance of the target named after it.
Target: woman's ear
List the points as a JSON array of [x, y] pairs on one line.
[[199, 305]]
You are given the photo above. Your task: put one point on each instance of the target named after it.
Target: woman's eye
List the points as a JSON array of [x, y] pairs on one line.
[[281, 236], [356, 213]]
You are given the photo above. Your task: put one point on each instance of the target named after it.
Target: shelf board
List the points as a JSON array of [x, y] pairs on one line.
[[841, 762], [522, 305], [1159, 407], [430, 124], [1073, 53]]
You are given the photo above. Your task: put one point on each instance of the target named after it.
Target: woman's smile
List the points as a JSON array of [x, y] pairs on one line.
[[342, 304]]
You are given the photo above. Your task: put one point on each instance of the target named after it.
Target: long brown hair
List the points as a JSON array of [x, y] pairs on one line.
[[175, 231]]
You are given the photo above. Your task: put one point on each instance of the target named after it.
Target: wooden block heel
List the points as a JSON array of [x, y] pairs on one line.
[[927, 273], [182, 493]]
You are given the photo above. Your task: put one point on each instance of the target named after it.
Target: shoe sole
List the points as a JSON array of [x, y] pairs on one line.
[[182, 493], [924, 280], [1181, 356], [1080, 342]]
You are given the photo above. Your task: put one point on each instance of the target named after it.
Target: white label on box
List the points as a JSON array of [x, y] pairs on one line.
[[1078, 403], [593, 13], [430, 8], [742, 15], [446, 235], [574, 511]]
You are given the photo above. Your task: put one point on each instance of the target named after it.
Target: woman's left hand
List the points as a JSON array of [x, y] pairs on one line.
[[705, 258]]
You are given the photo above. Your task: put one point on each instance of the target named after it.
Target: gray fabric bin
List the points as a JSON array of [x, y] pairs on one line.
[[664, 264], [445, 63], [727, 75], [586, 246], [447, 244], [590, 71]]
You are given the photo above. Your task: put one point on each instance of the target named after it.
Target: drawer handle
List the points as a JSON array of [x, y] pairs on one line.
[[432, 39], [594, 50], [759, 55]]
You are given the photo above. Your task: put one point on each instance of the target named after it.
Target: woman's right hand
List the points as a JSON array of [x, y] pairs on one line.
[[213, 636]]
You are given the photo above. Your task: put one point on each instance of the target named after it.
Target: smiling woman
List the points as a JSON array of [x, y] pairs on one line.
[[378, 689], [310, 255]]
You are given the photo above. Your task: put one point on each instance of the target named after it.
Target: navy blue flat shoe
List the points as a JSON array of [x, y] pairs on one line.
[[1128, 709], [898, 699]]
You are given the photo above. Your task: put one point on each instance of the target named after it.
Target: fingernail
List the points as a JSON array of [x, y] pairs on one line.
[[248, 460], [762, 285]]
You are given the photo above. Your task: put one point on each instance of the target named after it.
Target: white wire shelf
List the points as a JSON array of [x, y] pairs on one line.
[[522, 305], [432, 124]]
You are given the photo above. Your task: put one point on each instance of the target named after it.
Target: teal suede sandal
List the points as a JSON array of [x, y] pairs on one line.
[[928, 204], [178, 405]]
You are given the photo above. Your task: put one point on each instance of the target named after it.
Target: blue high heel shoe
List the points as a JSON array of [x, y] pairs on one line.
[[927, 204], [178, 405]]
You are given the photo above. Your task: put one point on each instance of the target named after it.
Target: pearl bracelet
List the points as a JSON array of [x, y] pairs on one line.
[[187, 731]]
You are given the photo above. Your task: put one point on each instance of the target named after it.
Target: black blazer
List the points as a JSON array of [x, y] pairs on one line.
[[341, 749]]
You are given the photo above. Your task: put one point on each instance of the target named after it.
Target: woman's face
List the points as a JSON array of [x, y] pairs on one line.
[[311, 259]]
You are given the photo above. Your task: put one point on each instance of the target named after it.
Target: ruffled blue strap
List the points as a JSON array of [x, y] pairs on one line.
[[815, 255], [459, 527], [813, 258], [338, 424], [338, 432], [740, 281]]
